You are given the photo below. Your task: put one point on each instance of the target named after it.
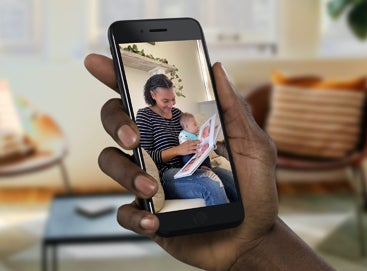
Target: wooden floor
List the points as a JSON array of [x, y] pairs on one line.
[[314, 187], [11, 195]]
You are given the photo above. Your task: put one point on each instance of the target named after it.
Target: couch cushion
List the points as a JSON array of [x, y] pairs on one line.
[[151, 168], [182, 204], [315, 117]]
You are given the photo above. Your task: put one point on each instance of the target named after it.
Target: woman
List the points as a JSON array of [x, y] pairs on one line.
[[159, 127]]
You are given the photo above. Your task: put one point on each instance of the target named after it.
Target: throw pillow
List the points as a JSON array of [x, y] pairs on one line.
[[315, 117]]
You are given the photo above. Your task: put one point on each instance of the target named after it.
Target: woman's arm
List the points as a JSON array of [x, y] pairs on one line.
[[144, 124], [146, 136]]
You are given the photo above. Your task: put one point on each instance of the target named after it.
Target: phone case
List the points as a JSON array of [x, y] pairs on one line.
[[146, 49]]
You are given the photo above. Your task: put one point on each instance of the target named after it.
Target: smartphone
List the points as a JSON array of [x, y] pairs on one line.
[[163, 72]]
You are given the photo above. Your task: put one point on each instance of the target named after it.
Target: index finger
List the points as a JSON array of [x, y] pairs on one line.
[[101, 67], [118, 124]]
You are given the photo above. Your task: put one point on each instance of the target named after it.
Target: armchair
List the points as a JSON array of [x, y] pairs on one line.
[[260, 102]]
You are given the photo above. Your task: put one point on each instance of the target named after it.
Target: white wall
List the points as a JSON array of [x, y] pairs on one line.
[[249, 72], [73, 98], [183, 55]]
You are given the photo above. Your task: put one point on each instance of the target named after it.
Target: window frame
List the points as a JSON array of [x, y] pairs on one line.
[[26, 44]]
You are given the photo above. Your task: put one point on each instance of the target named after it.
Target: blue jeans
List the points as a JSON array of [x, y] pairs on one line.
[[198, 185]]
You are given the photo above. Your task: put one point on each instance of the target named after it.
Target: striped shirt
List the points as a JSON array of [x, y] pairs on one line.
[[158, 134]]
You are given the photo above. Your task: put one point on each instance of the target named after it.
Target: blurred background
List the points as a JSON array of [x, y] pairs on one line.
[[57, 103]]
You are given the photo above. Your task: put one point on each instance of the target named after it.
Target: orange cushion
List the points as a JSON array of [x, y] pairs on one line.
[[316, 82]]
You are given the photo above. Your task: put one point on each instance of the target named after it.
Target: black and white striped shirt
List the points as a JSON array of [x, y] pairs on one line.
[[158, 134]]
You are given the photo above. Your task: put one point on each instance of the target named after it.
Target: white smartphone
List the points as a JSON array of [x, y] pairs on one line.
[[163, 73]]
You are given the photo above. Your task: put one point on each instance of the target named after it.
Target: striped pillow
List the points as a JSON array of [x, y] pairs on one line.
[[322, 123]]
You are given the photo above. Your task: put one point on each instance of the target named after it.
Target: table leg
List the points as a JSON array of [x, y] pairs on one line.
[[54, 258], [44, 257], [45, 263]]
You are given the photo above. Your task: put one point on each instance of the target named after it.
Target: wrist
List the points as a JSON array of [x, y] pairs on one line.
[[177, 150], [279, 249]]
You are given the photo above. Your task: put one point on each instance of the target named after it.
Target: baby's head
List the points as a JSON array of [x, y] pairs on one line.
[[188, 123]]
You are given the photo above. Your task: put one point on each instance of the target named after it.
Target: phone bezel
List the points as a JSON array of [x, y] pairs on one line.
[[177, 29]]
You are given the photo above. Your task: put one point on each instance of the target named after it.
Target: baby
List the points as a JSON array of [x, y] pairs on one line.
[[190, 132]]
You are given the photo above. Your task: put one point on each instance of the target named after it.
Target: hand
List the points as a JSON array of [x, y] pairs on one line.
[[254, 158], [261, 239], [188, 147]]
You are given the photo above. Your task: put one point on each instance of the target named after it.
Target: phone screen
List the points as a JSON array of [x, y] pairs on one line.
[[166, 86], [192, 101]]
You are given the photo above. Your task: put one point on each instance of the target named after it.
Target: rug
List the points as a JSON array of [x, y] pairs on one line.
[[344, 241], [13, 240]]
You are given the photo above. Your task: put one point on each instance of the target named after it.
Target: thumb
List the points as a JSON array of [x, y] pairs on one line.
[[253, 152], [238, 119]]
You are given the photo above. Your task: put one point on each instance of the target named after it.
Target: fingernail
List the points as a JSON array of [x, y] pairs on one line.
[[145, 185], [126, 135], [147, 223]]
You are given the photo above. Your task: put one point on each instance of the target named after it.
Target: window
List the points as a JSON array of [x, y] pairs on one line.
[[20, 23], [246, 25], [105, 12]]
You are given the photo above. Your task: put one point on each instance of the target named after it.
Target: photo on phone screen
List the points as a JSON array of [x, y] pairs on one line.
[[173, 101]]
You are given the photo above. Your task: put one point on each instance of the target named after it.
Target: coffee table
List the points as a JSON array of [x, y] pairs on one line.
[[67, 226]]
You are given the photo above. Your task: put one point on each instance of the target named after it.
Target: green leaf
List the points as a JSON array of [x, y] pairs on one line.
[[336, 7], [357, 20], [135, 48]]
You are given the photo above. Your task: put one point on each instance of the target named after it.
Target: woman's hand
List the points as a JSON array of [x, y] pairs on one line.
[[188, 147], [261, 241]]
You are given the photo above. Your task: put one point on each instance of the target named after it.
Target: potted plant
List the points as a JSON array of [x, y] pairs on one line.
[[356, 14], [173, 74]]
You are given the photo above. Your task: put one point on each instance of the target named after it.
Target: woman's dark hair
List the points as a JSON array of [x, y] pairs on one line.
[[156, 81]]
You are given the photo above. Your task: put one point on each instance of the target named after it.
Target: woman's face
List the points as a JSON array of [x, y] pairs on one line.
[[165, 98]]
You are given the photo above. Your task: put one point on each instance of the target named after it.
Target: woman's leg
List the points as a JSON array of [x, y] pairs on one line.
[[198, 185], [226, 177]]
